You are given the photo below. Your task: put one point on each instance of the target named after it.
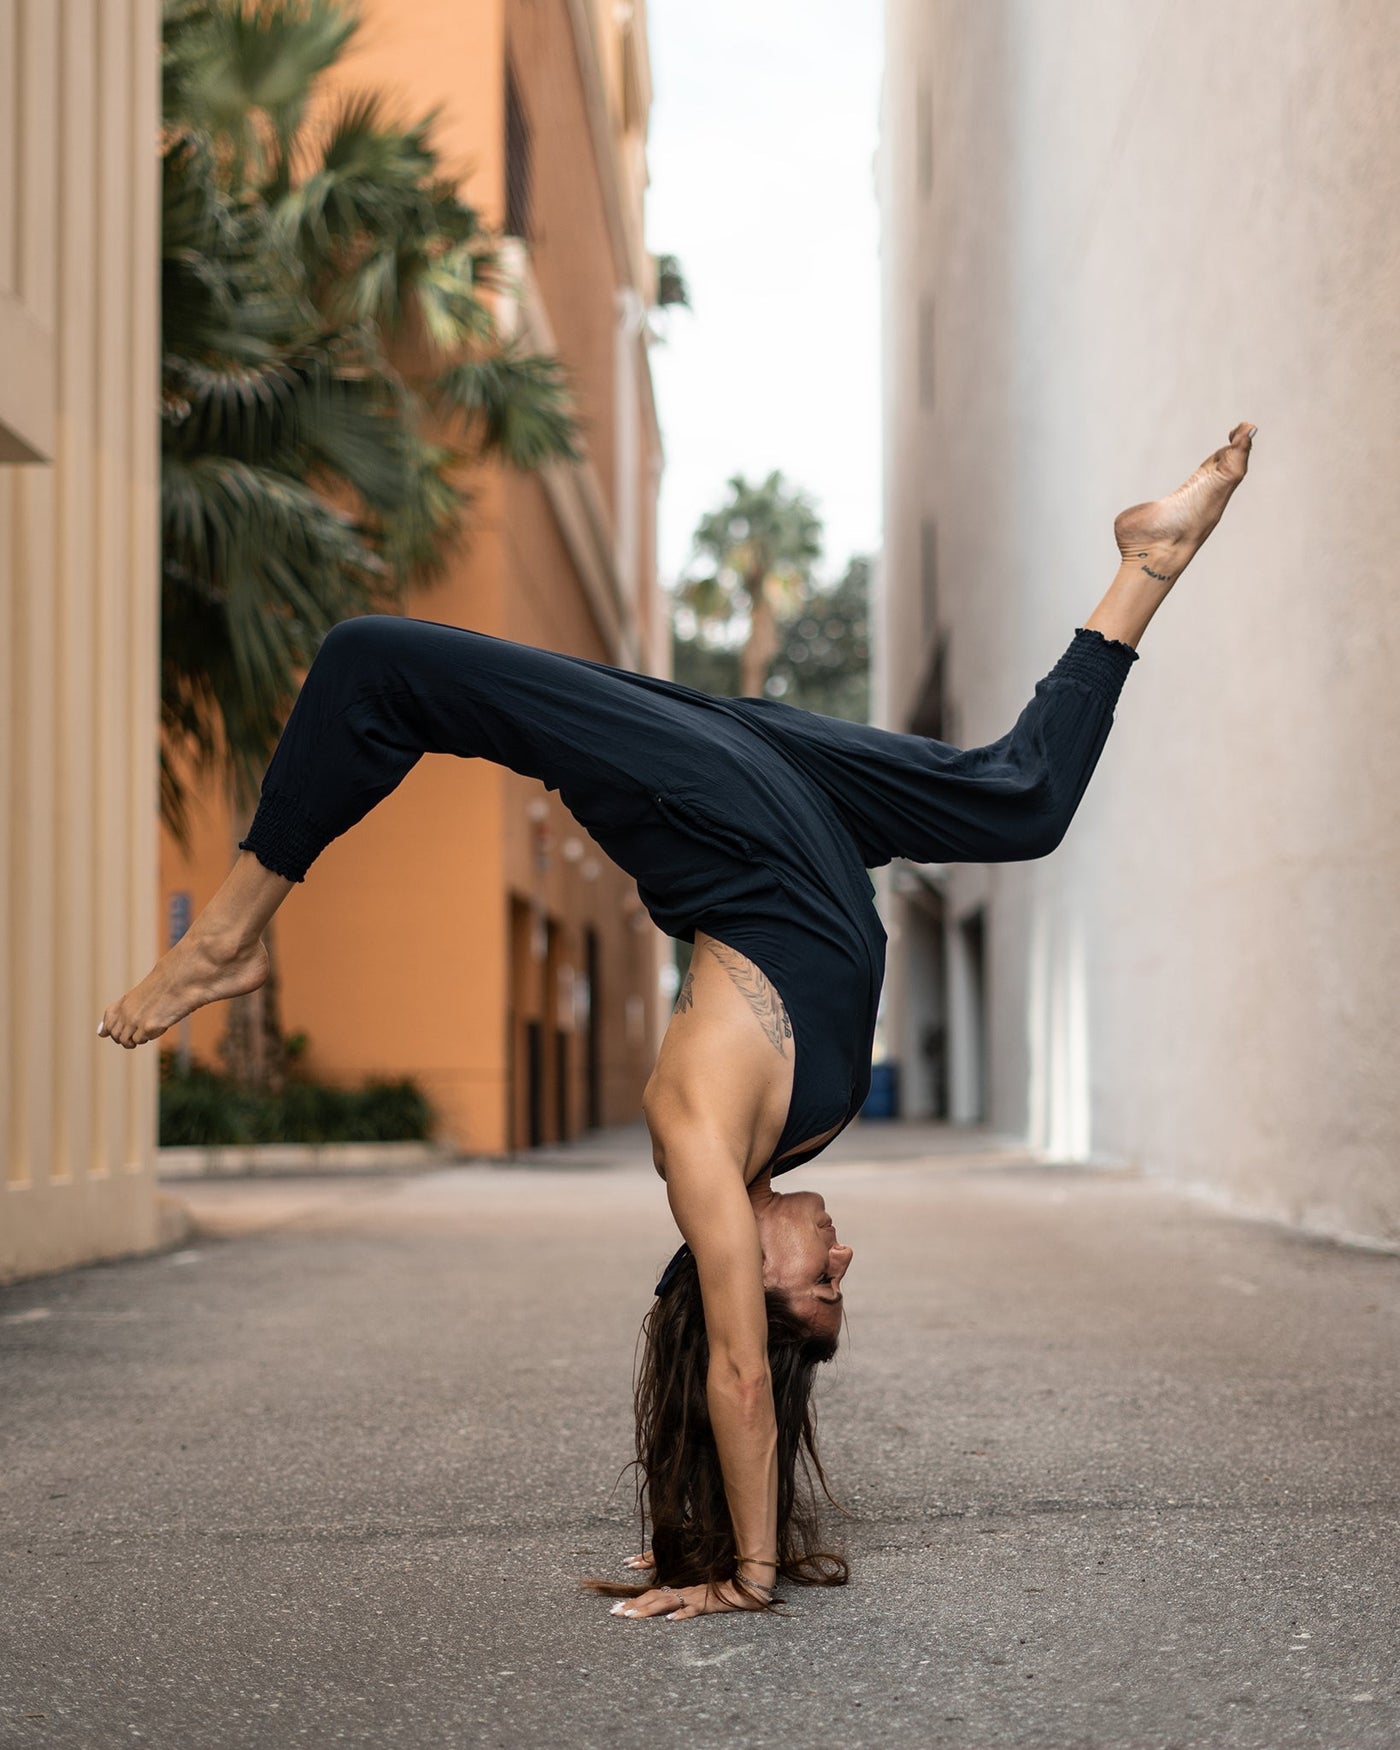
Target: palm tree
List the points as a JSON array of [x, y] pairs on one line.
[[756, 555], [823, 662], [309, 473]]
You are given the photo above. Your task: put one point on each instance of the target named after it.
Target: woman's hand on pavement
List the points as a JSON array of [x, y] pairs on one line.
[[679, 1603]]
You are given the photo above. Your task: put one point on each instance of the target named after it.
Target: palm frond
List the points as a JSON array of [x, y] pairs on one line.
[[361, 431], [365, 193], [225, 292], [242, 71], [671, 287], [712, 597], [248, 411], [450, 306], [256, 569], [221, 519], [453, 219], [427, 524], [517, 403]]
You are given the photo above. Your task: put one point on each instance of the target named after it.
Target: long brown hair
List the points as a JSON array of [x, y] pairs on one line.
[[680, 1487]]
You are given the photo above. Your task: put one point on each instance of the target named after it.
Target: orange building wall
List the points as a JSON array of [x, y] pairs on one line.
[[429, 940], [569, 245], [443, 54]]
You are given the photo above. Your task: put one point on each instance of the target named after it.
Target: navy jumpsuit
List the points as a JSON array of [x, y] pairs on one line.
[[750, 819]]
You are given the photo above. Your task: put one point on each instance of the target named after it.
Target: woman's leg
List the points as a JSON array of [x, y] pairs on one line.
[[382, 692], [911, 796], [1030, 783]]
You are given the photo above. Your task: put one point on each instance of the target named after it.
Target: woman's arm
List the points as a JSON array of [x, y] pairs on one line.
[[712, 1209], [715, 1105], [705, 1187]]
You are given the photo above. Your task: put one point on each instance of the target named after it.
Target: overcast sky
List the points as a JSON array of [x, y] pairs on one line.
[[763, 135]]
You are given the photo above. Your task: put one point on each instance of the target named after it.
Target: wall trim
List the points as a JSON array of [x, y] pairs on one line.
[[27, 385], [573, 489], [600, 127]]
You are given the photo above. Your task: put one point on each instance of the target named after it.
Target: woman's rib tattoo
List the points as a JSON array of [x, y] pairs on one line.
[[768, 1008], [687, 997]]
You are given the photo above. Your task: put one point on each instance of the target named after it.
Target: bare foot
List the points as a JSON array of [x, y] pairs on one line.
[[1165, 534], [199, 969]]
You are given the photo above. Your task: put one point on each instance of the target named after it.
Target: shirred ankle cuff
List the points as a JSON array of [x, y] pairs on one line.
[[283, 838], [1097, 662]]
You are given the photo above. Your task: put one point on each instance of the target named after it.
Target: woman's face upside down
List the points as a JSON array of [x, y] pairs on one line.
[[802, 1257]]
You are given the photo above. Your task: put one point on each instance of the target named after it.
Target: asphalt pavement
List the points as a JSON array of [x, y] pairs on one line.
[[1118, 1471]]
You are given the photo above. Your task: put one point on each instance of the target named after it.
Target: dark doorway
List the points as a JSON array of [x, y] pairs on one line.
[[534, 1072], [561, 1084], [974, 940], [592, 1039]]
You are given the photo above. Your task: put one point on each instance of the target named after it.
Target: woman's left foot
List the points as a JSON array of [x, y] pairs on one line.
[[1165, 534]]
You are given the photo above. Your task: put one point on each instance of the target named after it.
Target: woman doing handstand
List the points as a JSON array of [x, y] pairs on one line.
[[749, 826]]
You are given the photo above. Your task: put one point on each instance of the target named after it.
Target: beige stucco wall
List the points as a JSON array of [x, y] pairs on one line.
[[1143, 223], [79, 187]]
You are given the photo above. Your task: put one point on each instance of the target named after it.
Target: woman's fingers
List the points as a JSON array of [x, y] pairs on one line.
[[657, 1602], [645, 1560], [680, 1603]]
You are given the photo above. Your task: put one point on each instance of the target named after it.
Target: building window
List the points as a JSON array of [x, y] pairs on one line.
[[926, 352], [930, 715], [518, 155], [923, 145], [928, 578]]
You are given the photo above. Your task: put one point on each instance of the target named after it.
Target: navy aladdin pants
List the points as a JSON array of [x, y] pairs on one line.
[[746, 818]]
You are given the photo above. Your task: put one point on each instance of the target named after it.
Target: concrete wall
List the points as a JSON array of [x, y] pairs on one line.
[[1120, 229], [79, 188]]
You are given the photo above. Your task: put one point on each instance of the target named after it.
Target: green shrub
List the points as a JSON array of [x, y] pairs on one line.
[[390, 1109], [202, 1109]]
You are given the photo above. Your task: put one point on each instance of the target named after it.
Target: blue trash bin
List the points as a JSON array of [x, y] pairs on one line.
[[883, 1099]]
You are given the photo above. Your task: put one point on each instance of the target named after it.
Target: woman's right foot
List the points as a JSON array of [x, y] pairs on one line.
[[1164, 536], [199, 969]]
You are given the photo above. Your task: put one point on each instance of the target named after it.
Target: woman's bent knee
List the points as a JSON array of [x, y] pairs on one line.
[[349, 641]]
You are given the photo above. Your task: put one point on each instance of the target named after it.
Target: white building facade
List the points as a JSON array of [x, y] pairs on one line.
[[1109, 233]]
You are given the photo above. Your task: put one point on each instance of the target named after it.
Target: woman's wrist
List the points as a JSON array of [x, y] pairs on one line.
[[753, 1571], [751, 1589]]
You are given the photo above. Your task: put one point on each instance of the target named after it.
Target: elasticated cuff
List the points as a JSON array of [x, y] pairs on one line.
[[284, 838], [1097, 662]]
